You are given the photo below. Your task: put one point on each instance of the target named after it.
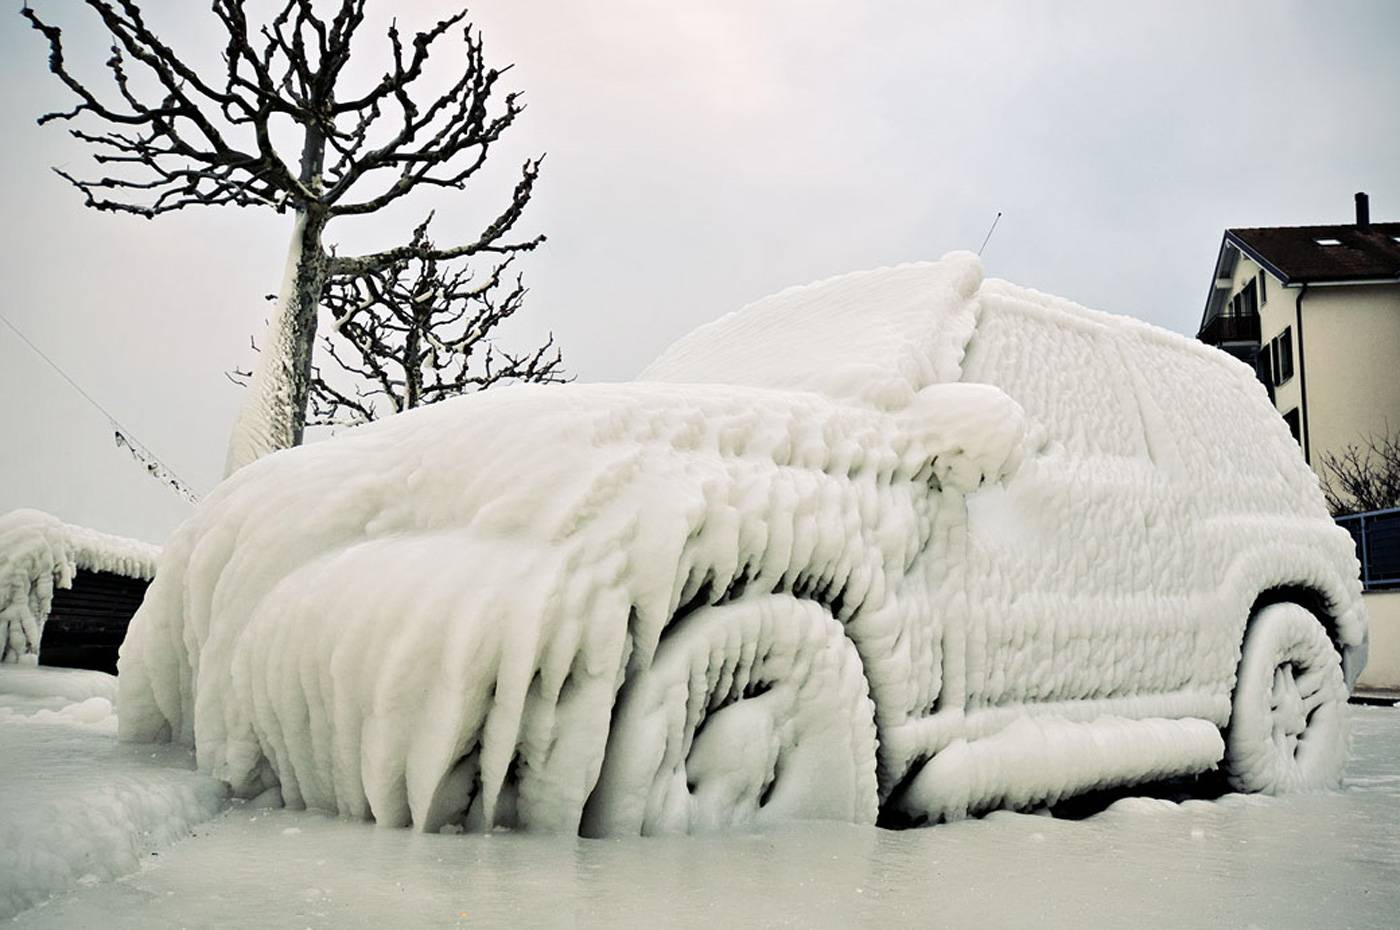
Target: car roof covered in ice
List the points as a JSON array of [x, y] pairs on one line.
[[875, 337]]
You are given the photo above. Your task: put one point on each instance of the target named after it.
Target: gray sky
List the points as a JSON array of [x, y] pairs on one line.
[[701, 155]]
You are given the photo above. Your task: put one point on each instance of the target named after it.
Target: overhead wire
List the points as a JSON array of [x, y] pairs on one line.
[[124, 436]]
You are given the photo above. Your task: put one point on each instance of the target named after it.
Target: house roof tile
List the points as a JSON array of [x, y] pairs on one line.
[[1307, 254]]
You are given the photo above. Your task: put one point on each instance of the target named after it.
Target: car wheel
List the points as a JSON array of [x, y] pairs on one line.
[[751, 712], [1287, 727]]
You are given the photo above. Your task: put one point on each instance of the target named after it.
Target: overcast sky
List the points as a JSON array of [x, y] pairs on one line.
[[701, 155]]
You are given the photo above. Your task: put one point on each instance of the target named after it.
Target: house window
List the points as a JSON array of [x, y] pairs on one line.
[[1285, 354], [1265, 372], [1294, 425], [1249, 297], [1246, 302], [1263, 288]]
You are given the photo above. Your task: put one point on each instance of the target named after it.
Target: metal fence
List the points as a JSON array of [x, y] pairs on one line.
[[1377, 538]]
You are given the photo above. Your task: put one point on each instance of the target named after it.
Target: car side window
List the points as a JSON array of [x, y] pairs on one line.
[[1218, 419], [1066, 372]]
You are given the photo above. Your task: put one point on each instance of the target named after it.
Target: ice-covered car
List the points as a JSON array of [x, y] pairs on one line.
[[903, 541]]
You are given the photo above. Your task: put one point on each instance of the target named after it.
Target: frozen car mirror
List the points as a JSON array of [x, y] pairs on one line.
[[969, 434]]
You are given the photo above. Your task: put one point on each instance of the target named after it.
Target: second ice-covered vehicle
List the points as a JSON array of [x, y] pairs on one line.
[[901, 541]]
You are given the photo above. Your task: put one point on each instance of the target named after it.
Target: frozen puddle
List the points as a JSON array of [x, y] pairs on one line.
[[77, 808], [1305, 861]]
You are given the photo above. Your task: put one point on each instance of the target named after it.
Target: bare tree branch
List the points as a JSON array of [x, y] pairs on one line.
[[1364, 476], [413, 331], [488, 242], [167, 136]]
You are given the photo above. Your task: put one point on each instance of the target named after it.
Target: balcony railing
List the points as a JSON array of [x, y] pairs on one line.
[[1223, 328], [1377, 537]]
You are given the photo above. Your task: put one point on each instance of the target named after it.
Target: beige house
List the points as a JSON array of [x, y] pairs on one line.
[[1316, 311]]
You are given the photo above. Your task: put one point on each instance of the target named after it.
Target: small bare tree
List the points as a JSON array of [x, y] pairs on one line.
[[417, 332], [1365, 476], [176, 137]]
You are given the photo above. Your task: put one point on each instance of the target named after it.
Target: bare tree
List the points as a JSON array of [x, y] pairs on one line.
[[175, 137], [419, 331], [1364, 476]]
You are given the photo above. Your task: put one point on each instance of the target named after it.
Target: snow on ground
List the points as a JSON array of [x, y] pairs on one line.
[[26, 688], [1302, 861], [76, 807]]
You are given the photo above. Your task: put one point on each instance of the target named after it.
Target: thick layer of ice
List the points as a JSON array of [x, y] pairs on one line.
[[30, 688], [76, 808], [1039, 761], [773, 678], [1289, 724], [39, 553], [414, 631], [1019, 516], [874, 337], [264, 422]]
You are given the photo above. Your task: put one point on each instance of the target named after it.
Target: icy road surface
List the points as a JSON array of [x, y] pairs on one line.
[[1306, 861]]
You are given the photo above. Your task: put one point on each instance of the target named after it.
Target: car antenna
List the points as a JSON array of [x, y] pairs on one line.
[[996, 219]]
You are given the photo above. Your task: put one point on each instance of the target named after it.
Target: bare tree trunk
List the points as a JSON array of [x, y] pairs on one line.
[[413, 354], [273, 413]]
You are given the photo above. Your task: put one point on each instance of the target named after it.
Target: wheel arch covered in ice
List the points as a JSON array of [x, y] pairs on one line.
[[1331, 603]]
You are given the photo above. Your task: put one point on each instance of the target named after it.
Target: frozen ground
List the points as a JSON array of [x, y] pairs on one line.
[[1305, 861], [76, 807]]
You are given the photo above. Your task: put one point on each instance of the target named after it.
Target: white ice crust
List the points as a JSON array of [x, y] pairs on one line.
[[76, 809], [264, 421], [39, 553], [983, 547], [874, 337]]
